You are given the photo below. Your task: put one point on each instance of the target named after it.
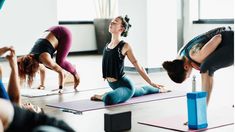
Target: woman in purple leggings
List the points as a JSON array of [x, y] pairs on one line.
[[55, 39]]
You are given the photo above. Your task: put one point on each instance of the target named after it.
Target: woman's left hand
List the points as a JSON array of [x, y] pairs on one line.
[[157, 85], [161, 88]]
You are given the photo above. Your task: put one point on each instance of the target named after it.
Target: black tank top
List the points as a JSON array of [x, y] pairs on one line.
[[41, 46], [113, 61]]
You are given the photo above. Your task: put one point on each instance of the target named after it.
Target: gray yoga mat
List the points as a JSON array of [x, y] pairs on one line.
[[88, 105], [33, 92], [215, 120]]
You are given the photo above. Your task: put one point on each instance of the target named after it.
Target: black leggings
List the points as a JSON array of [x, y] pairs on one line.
[[222, 57]]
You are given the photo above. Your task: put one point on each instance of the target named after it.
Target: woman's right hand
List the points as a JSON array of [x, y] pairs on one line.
[[3, 50]]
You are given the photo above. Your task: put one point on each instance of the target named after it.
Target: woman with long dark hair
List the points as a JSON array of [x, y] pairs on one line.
[[55, 39]]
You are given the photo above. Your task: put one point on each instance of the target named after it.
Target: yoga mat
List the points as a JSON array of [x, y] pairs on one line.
[[33, 92], [216, 120], [88, 105]]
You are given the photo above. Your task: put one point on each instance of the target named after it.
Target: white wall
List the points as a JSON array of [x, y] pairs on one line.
[[153, 33], [83, 37], [137, 36], [23, 21], [162, 32]]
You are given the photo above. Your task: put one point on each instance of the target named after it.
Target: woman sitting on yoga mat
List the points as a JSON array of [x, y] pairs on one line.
[[13, 89], [207, 53], [113, 65], [55, 39]]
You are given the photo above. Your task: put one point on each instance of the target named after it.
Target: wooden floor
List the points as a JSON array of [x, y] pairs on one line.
[[89, 67]]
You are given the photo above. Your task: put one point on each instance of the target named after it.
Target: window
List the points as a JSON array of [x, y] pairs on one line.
[[76, 10], [85, 10], [218, 11]]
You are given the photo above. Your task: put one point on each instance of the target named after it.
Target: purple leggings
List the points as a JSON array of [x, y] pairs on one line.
[[64, 38]]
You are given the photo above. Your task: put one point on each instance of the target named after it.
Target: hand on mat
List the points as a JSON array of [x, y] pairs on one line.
[[157, 85], [76, 81], [160, 87], [32, 107], [163, 90], [41, 87]]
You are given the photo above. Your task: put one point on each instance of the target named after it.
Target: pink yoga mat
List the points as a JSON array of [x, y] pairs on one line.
[[88, 105], [176, 122]]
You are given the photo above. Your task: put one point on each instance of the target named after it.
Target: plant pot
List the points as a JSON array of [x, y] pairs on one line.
[[102, 33]]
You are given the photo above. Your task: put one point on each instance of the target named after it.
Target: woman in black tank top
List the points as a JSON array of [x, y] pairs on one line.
[[207, 53], [113, 67], [57, 39]]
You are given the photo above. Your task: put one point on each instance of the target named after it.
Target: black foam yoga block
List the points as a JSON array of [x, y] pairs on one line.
[[117, 122]]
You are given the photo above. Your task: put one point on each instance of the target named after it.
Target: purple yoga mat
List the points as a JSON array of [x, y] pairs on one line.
[[215, 120], [88, 105]]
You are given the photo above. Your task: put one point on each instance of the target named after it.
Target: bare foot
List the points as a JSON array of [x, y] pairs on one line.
[[96, 97], [76, 81]]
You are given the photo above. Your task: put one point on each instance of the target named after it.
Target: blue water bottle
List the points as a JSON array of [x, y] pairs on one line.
[[196, 103]]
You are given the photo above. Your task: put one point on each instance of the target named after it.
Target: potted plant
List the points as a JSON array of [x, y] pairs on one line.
[[105, 10]]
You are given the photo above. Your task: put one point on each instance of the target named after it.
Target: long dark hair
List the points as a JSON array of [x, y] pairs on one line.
[[27, 67], [125, 24], [175, 70]]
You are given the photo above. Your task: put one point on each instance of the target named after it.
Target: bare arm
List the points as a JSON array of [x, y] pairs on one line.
[[1, 126], [42, 71], [207, 84], [14, 84], [138, 67], [207, 49], [47, 61], [6, 118]]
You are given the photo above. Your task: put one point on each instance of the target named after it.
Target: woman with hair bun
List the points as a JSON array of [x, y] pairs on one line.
[[207, 53], [113, 67]]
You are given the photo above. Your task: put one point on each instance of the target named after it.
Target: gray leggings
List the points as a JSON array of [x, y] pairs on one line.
[[222, 57], [123, 89]]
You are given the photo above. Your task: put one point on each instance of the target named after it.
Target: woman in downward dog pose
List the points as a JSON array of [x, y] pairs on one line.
[[113, 65], [55, 39]]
